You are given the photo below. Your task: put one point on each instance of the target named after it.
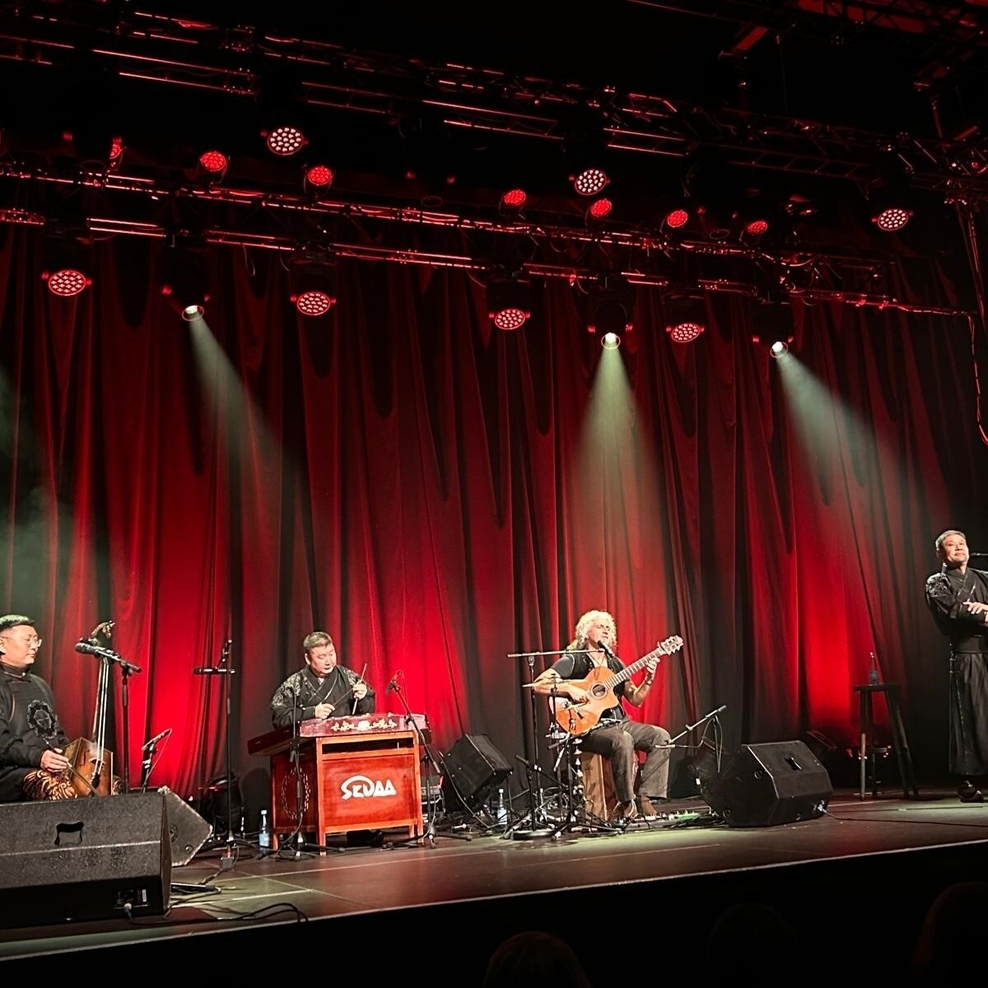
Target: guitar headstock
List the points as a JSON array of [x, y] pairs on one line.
[[671, 644]]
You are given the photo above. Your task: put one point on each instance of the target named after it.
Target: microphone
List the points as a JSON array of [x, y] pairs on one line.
[[211, 671], [226, 648], [606, 649], [393, 685], [158, 737], [87, 647]]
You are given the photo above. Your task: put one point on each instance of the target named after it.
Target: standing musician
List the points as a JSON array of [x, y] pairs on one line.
[[617, 737], [32, 741], [323, 688]]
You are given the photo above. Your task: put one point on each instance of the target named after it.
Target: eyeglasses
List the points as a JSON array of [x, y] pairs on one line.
[[33, 640]]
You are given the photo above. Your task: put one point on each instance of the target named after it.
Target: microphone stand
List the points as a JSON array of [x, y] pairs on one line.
[[538, 824], [430, 831], [225, 669]]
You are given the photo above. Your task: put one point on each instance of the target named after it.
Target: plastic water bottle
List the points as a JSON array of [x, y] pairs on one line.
[[502, 809], [264, 834]]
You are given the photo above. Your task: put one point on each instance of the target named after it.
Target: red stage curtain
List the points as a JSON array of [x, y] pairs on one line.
[[437, 494]]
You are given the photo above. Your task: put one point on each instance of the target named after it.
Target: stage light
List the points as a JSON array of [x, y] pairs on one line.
[[891, 217], [676, 218], [66, 261], [684, 318], [514, 199], [508, 300], [213, 164], [183, 280], [312, 276], [610, 310], [590, 181], [285, 140], [66, 282], [773, 327], [600, 208], [318, 177]]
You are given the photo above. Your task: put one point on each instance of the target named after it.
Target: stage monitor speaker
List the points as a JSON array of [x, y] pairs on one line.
[[473, 768], [767, 784], [187, 831], [100, 857]]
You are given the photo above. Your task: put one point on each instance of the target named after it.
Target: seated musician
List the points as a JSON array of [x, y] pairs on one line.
[[31, 738], [322, 689], [616, 736]]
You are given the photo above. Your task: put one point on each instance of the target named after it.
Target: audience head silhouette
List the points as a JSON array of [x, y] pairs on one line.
[[533, 960]]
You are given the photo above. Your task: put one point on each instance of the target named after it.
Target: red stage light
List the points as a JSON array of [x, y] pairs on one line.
[[285, 141], [756, 228], [66, 282], [599, 208], [510, 318], [319, 176], [214, 162], [893, 218], [684, 332], [313, 303], [590, 181], [677, 219], [514, 198]]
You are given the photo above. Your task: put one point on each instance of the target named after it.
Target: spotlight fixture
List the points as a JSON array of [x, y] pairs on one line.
[[213, 164], [773, 327], [285, 140], [676, 218], [312, 277], [514, 199], [610, 309], [66, 282], [66, 264], [890, 199], [318, 178], [508, 300], [183, 280], [116, 157], [590, 181], [600, 208], [891, 216], [684, 318]]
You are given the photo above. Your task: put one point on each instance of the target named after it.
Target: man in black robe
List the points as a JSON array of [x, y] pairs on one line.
[[322, 689], [32, 741], [958, 598]]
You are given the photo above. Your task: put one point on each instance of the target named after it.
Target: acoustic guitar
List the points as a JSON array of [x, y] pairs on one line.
[[579, 718]]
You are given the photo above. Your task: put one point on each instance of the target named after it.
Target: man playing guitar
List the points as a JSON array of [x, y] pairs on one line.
[[577, 687]]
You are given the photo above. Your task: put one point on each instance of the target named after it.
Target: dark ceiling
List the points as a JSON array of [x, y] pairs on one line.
[[428, 112]]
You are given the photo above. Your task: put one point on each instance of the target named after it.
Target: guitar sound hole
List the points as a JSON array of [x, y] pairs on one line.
[[598, 691]]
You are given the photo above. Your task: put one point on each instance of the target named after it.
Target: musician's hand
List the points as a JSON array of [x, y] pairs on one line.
[[54, 761], [324, 710], [359, 690], [975, 607], [650, 666], [577, 694]]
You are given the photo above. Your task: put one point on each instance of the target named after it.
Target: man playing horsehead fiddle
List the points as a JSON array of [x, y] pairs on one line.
[[32, 741]]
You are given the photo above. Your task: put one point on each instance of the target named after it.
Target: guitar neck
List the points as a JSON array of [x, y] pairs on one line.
[[628, 671]]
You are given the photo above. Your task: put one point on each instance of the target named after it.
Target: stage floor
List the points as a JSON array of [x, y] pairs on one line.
[[877, 861]]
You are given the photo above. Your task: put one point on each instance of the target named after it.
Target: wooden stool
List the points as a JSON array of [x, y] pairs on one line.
[[868, 751], [598, 785]]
